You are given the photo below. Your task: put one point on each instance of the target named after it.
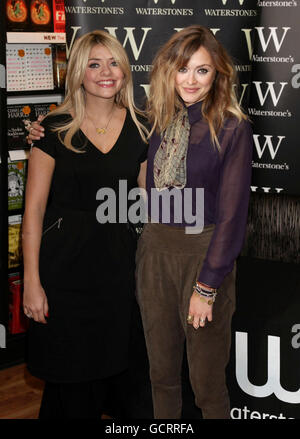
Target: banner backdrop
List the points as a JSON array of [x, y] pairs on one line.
[[275, 98], [262, 37], [144, 25]]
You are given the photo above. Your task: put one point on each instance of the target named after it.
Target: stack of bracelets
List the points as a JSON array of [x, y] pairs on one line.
[[205, 294]]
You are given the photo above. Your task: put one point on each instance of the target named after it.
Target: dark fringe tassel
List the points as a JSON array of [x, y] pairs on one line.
[[273, 228]]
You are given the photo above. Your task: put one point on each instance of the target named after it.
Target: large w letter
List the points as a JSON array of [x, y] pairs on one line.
[[268, 143], [270, 90], [130, 37], [272, 36], [68, 49]]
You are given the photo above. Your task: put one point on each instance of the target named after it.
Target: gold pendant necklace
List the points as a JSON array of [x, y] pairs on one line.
[[102, 130]]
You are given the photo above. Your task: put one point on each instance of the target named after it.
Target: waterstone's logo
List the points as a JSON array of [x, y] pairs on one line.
[[272, 89], [273, 384], [169, 205], [277, 3], [239, 11], [268, 38], [272, 37], [268, 145], [129, 38]]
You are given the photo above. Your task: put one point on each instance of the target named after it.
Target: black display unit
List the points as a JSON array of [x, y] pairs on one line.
[[12, 345], [3, 193]]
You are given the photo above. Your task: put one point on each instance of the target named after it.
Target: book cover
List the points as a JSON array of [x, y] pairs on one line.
[[19, 116], [18, 322], [17, 15], [45, 16], [16, 184], [59, 65], [59, 17], [14, 241], [41, 16]]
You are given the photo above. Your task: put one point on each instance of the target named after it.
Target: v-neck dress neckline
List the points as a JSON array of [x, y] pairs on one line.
[[115, 145]]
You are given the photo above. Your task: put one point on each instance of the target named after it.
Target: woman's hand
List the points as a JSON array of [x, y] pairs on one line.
[[36, 131], [35, 302], [199, 311]]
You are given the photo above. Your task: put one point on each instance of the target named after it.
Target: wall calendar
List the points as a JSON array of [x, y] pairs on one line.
[[29, 67]]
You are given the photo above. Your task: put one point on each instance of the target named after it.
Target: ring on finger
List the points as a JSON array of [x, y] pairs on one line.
[[202, 320], [190, 319], [27, 313]]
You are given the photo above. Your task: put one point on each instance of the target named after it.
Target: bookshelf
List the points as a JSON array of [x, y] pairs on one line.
[[32, 72]]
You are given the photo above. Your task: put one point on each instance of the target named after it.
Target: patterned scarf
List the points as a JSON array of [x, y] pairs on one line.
[[170, 158]]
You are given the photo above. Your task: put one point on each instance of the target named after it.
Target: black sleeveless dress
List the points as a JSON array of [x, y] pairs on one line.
[[86, 268]]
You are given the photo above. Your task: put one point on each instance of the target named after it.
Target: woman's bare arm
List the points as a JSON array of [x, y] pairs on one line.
[[41, 167]]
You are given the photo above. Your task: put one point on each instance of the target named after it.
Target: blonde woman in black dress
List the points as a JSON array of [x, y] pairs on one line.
[[79, 272]]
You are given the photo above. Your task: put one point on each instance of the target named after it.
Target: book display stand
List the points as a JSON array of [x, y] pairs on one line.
[[32, 75]]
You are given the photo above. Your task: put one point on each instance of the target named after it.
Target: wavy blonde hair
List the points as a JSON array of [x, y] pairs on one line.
[[220, 102], [74, 102]]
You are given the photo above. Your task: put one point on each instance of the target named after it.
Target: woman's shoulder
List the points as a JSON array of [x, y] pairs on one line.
[[235, 123], [136, 144], [140, 116]]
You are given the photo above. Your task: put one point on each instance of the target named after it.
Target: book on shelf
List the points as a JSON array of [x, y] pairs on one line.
[[14, 241], [18, 323], [59, 65], [18, 118], [16, 184], [35, 16]]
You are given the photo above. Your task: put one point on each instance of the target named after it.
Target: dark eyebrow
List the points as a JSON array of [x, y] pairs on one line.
[[100, 59], [203, 65], [200, 66]]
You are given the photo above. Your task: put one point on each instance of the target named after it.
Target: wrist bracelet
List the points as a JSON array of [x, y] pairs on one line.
[[204, 292], [208, 302], [213, 290], [211, 295]]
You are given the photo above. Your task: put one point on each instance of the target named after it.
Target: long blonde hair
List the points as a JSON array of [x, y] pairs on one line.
[[74, 102], [164, 102]]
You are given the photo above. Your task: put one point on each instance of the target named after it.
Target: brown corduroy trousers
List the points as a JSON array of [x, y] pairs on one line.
[[168, 263]]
